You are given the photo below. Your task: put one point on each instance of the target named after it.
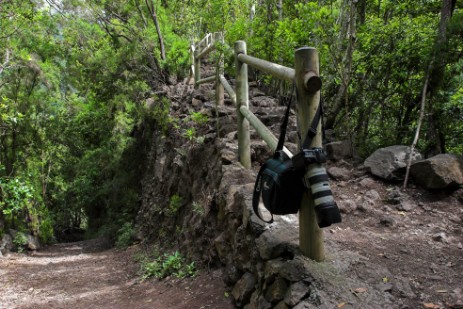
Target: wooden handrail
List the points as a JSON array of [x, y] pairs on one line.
[[228, 88], [306, 78], [263, 131], [274, 69], [206, 80]]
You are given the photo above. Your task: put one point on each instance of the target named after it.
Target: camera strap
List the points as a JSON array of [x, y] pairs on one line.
[[284, 123], [281, 141], [299, 159], [313, 128]]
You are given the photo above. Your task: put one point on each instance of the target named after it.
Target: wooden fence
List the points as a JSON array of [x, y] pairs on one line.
[[305, 75]]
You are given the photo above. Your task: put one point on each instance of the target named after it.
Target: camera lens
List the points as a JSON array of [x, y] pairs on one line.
[[325, 207]]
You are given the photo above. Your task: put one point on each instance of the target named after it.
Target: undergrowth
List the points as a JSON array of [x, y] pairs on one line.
[[167, 265]]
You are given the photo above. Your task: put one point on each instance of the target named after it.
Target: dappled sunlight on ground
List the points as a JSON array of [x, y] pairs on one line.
[[63, 276]]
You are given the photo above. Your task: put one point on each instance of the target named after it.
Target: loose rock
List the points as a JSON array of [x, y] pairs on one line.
[[389, 162]]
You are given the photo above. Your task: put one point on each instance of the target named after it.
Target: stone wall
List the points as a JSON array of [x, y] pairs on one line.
[[214, 223]]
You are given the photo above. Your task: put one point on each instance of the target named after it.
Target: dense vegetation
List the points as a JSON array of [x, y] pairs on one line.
[[75, 75]]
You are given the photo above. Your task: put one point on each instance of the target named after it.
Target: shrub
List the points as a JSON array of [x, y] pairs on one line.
[[174, 205], [46, 232], [20, 241], [168, 265], [199, 118], [125, 235]]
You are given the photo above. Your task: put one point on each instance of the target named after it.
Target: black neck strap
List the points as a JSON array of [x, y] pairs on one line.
[[313, 128], [284, 124]]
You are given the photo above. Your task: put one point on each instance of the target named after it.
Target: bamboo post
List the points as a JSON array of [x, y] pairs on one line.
[[242, 99], [197, 67], [219, 90], [308, 85]]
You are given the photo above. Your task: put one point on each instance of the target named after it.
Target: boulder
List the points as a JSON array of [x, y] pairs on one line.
[[6, 244], [339, 150], [389, 163], [346, 206], [243, 289], [33, 242], [258, 301], [339, 173], [296, 292], [369, 201], [280, 240], [263, 101], [439, 172], [277, 290]]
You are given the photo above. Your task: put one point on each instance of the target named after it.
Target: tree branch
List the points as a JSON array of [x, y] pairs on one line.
[[418, 127], [7, 59], [150, 5]]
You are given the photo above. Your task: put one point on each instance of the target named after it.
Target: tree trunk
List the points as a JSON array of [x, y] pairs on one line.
[[361, 11], [440, 55], [154, 17], [348, 31], [440, 60], [7, 59], [418, 127]]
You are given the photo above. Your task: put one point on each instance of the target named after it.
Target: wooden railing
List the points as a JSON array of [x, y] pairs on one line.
[[305, 76]]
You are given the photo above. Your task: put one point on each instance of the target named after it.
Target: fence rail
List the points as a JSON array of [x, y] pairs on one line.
[[305, 76]]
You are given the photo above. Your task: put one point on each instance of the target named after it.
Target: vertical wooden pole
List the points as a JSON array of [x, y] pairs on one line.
[[192, 62], [308, 98], [219, 91], [197, 66], [242, 98]]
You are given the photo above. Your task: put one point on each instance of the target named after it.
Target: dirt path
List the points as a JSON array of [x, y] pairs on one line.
[[413, 251], [415, 256], [83, 275]]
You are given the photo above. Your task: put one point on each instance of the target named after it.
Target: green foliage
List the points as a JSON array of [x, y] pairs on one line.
[[199, 118], [160, 113], [177, 56], [198, 208], [168, 265], [46, 234], [77, 103], [20, 241], [193, 121], [125, 235], [175, 203], [190, 134], [16, 195]]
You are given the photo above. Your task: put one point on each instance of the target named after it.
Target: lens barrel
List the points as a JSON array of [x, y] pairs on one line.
[[325, 207]]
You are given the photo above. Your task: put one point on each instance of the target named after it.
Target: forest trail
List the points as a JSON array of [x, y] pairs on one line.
[[88, 275]]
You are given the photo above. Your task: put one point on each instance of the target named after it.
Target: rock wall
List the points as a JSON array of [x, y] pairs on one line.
[[197, 198]]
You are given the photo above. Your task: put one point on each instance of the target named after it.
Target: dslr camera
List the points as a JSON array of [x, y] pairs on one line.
[[325, 207]]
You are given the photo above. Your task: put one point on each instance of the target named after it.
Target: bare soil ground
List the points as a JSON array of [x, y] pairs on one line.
[[412, 252], [414, 255], [87, 275]]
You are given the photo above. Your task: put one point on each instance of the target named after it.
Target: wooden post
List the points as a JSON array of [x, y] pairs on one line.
[[263, 131], [274, 69], [228, 88], [197, 67], [242, 98], [192, 62], [308, 85], [219, 91]]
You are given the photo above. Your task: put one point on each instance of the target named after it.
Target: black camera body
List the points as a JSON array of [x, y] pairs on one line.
[[308, 156], [314, 155], [325, 207]]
